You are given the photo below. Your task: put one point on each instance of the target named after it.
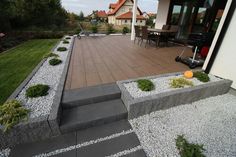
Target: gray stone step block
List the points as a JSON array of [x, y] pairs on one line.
[[109, 147], [83, 117], [89, 95]]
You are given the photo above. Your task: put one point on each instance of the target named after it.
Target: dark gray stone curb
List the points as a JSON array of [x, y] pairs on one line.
[[140, 106], [39, 128]]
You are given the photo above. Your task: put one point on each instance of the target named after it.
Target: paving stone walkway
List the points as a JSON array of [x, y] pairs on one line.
[[114, 139]]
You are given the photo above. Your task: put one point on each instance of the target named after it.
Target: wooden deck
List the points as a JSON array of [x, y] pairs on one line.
[[100, 60]]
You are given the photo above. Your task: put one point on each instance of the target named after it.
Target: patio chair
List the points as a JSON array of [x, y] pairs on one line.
[[148, 37], [137, 33]]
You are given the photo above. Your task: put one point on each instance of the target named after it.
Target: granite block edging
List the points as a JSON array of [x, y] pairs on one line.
[[39, 128], [144, 105], [54, 118]]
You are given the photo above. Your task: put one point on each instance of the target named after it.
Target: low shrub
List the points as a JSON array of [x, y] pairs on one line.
[[110, 29], [55, 61], [145, 85], [125, 30], [51, 55], [61, 49], [94, 28], [201, 76], [180, 82], [11, 113], [187, 149], [65, 42], [68, 37], [37, 91]]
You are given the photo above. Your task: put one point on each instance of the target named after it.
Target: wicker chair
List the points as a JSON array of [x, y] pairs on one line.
[[148, 37], [137, 33]]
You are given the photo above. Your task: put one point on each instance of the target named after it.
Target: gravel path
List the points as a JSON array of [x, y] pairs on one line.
[[49, 75], [162, 85], [211, 122]]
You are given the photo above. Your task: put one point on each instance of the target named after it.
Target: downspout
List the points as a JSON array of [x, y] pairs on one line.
[[134, 19]]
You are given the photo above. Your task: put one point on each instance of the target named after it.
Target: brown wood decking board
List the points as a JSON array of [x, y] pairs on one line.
[[100, 60]]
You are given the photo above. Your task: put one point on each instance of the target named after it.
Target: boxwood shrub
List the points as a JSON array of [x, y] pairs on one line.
[[65, 42], [37, 91], [201, 76], [61, 49], [55, 61], [145, 85], [11, 113], [68, 37]]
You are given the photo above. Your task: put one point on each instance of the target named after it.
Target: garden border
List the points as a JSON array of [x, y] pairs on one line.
[[42, 127], [144, 105]]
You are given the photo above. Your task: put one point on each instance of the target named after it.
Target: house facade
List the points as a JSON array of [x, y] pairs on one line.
[[120, 13]]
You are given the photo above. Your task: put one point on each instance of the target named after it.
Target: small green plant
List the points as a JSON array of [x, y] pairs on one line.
[[61, 49], [125, 30], [187, 149], [65, 42], [11, 113], [55, 61], [51, 55], [201, 76], [94, 28], [145, 85], [68, 37], [110, 29], [37, 91], [180, 82]]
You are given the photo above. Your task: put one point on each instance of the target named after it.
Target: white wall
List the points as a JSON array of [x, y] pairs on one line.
[[162, 13], [225, 63]]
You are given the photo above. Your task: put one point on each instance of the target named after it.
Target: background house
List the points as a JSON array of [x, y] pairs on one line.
[[120, 13]]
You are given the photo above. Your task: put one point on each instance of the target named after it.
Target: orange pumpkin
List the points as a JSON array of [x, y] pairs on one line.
[[188, 74]]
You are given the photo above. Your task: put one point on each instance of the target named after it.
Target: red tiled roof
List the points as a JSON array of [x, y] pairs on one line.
[[128, 15], [102, 13], [113, 5], [118, 5]]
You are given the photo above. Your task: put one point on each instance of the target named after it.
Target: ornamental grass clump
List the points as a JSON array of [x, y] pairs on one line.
[[61, 49], [65, 42], [37, 91], [180, 82], [145, 85], [187, 149], [68, 37], [201, 76], [55, 61], [11, 113]]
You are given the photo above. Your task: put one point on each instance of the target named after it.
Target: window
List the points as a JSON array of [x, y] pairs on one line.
[[125, 21], [141, 21], [200, 16], [175, 14]]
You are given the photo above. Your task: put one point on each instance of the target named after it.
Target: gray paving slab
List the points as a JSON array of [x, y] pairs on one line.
[[138, 153], [109, 147], [31, 149], [102, 131]]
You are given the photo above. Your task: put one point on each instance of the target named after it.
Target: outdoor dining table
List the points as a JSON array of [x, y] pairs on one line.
[[161, 31], [161, 34]]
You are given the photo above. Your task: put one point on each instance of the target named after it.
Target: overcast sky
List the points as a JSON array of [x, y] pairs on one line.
[[87, 6]]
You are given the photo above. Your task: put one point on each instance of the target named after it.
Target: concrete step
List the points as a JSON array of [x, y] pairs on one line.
[[94, 94], [86, 116], [110, 147]]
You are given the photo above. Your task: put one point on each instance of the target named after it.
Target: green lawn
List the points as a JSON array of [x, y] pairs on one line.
[[16, 64]]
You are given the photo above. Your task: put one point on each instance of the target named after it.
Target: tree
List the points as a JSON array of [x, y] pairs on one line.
[[81, 16]]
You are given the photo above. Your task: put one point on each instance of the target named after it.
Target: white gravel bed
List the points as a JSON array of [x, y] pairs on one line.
[[211, 122], [48, 75], [5, 152], [162, 84]]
